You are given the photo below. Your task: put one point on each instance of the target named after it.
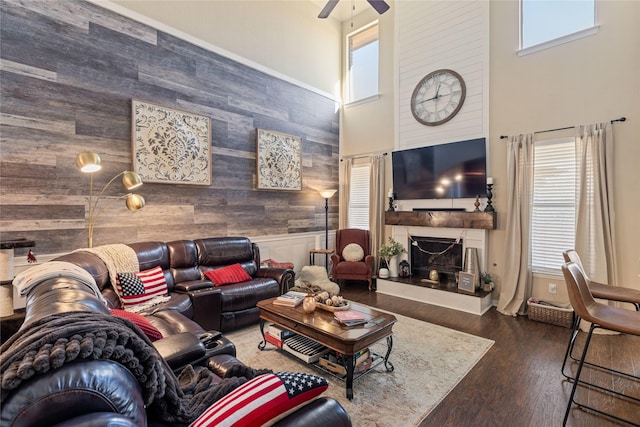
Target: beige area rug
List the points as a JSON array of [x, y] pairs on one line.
[[429, 361]]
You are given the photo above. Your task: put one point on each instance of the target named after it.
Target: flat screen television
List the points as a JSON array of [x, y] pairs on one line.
[[447, 171]]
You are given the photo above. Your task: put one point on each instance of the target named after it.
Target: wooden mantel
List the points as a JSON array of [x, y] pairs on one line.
[[447, 219]]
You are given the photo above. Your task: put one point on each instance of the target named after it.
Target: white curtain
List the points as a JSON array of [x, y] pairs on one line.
[[345, 189], [594, 202], [516, 285], [376, 203]]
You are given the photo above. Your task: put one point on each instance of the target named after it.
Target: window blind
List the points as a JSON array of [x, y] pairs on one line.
[[553, 204], [359, 197], [363, 37]]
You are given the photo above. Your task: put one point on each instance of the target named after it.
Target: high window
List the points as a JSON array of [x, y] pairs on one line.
[[362, 63], [543, 21], [554, 203], [359, 197]]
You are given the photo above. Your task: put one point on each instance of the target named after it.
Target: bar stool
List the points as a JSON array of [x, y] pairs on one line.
[[598, 290], [601, 316]]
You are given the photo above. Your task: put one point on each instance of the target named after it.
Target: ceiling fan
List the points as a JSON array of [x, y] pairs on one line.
[[379, 5]]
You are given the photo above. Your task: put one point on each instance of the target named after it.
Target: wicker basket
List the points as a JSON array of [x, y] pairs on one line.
[[543, 312]]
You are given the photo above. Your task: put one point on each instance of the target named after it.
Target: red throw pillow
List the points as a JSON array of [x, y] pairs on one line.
[[262, 399], [136, 288], [141, 322], [233, 273]]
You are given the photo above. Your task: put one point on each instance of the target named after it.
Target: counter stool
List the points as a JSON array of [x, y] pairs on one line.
[[601, 291], [601, 316]]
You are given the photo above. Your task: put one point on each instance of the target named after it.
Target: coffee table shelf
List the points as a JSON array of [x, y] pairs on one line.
[[376, 360], [321, 327]]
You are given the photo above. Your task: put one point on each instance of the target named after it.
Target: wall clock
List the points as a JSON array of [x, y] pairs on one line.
[[438, 97]]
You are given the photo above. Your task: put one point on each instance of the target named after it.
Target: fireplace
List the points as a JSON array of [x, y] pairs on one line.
[[435, 253], [416, 288]]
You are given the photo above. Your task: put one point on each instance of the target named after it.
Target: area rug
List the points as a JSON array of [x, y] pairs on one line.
[[429, 361]]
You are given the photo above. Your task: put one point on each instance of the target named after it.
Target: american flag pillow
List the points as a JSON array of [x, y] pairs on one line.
[[262, 399], [136, 288]]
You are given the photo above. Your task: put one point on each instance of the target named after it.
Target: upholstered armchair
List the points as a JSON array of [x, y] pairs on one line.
[[352, 259]]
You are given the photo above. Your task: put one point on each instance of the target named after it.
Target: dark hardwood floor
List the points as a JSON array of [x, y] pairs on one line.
[[518, 382]]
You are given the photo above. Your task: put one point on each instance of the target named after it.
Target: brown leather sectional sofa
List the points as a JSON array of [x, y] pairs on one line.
[[225, 308], [98, 390]]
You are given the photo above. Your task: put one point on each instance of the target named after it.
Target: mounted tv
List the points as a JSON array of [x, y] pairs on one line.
[[447, 171]]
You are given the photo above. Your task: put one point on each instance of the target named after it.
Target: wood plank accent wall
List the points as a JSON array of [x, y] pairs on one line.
[[68, 73]]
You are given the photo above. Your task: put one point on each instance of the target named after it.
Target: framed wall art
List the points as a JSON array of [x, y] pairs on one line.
[[278, 161], [170, 146]]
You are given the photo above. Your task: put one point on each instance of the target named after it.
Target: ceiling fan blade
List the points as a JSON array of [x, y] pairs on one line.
[[379, 5], [326, 10]]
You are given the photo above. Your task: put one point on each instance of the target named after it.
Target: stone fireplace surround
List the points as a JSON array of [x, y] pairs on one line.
[[414, 290]]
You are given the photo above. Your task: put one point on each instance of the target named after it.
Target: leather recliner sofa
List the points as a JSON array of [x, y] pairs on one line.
[[184, 262], [98, 385]]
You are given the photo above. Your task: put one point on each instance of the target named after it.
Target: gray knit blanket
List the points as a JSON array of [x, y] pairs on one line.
[[54, 341]]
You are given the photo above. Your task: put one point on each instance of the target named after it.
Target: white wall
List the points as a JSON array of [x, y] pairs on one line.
[[593, 79], [589, 80], [371, 124], [285, 36]]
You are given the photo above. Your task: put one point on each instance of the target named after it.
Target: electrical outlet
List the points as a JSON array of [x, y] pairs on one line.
[[553, 288]]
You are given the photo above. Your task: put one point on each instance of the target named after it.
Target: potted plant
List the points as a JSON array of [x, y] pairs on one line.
[[487, 281], [389, 253]]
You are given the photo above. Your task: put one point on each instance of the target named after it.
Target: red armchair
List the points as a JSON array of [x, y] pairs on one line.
[[352, 270]]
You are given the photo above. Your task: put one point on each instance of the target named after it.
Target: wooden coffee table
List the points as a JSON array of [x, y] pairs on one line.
[[321, 327]]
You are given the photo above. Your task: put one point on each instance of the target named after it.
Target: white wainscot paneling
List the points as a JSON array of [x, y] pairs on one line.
[[294, 247]]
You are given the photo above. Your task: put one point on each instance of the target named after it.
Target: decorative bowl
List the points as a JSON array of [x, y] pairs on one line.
[[333, 308]]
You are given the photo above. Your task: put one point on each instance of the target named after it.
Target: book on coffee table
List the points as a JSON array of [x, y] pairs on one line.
[[350, 317], [290, 299]]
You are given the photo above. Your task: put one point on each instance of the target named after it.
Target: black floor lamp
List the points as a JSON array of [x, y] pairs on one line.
[[326, 195]]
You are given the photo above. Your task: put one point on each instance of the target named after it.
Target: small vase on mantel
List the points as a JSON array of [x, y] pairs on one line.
[[393, 266]]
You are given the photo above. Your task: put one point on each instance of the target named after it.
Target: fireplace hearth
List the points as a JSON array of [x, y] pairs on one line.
[[436, 253]]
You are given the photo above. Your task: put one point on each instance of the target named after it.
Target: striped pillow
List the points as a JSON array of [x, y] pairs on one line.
[[264, 399], [140, 287]]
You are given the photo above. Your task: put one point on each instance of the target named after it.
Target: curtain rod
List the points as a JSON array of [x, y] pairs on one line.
[[363, 156], [621, 119]]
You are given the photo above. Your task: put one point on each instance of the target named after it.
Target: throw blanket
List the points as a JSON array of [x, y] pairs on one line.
[[33, 276], [118, 258], [121, 258], [51, 342]]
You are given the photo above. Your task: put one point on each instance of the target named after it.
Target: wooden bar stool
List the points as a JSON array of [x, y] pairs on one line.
[[601, 316]]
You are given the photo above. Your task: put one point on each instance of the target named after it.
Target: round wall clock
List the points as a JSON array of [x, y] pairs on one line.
[[438, 97]]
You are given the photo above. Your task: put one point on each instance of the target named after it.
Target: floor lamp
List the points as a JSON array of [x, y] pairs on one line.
[[89, 162], [326, 195]]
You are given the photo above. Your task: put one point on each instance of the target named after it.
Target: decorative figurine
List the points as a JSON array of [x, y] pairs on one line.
[[477, 204]]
